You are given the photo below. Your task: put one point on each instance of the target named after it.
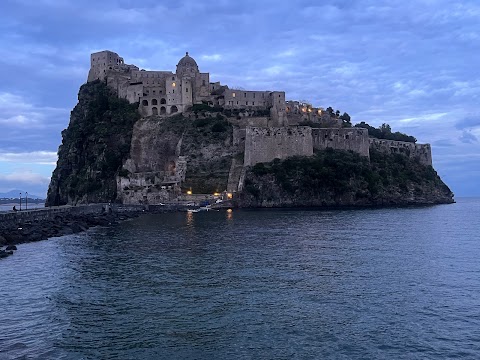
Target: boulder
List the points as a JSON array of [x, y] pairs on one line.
[[11, 247], [3, 241]]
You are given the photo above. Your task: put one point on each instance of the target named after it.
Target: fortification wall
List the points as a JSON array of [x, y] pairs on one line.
[[354, 139], [421, 152], [264, 145]]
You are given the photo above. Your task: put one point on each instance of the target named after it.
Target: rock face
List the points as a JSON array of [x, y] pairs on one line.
[[93, 148], [185, 151], [335, 178]]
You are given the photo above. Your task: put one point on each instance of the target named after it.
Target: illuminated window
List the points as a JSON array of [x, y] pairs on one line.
[[173, 84], [233, 94]]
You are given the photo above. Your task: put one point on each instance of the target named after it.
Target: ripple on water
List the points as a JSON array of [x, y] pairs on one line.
[[390, 283]]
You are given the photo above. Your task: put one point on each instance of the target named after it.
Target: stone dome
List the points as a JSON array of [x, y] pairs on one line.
[[187, 62]]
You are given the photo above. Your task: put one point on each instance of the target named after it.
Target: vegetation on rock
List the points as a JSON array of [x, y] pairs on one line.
[[342, 178], [93, 148], [385, 132]]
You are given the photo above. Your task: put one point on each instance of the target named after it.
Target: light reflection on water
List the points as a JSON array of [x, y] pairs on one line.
[[392, 283]]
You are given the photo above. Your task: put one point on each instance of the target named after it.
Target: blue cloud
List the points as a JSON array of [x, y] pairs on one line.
[[468, 122], [468, 138], [405, 63]]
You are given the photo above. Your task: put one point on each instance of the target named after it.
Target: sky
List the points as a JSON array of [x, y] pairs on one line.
[[412, 64]]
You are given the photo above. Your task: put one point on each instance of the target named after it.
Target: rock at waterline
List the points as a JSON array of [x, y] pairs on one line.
[[11, 247], [4, 254]]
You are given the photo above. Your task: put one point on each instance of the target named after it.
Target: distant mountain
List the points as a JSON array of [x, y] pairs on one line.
[[15, 194]]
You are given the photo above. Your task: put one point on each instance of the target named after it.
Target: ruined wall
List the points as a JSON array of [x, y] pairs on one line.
[[264, 145], [354, 139], [422, 152]]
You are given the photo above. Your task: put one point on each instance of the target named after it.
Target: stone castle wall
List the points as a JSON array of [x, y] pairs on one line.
[[354, 139], [422, 152], [267, 144]]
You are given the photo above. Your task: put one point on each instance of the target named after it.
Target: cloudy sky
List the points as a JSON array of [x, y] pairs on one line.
[[412, 64]]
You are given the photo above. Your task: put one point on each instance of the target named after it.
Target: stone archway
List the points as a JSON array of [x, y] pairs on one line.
[[145, 102], [154, 111], [163, 110], [173, 109], [154, 102], [163, 101]]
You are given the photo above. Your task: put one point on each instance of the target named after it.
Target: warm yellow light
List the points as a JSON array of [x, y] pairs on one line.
[[173, 84], [233, 94], [319, 112], [189, 192], [303, 109], [229, 210], [229, 195], [309, 110], [216, 194]]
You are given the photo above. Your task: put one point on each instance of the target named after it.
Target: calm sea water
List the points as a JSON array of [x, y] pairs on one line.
[[277, 284], [9, 207]]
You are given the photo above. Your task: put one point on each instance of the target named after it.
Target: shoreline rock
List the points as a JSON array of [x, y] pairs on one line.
[[63, 224]]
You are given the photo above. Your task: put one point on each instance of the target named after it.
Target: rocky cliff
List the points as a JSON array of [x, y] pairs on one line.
[[94, 147], [336, 178], [110, 154]]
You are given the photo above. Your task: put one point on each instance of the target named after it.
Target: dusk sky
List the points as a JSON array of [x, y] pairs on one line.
[[411, 64]]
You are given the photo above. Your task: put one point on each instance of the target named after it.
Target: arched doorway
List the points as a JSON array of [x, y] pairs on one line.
[[173, 109], [154, 111], [154, 102], [163, 110], [145, 102], [163, 101]]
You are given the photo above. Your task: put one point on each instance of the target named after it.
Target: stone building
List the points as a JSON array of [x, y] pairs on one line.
[[167, 93]]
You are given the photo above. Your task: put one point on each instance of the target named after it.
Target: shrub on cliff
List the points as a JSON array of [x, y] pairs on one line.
[[93, 148], [336, 177], [385, 132]]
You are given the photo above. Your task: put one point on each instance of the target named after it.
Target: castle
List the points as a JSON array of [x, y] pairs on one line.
[[167, 93], [266, 127]]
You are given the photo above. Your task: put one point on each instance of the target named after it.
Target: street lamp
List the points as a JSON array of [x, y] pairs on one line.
[[26, 201], [20, 201]]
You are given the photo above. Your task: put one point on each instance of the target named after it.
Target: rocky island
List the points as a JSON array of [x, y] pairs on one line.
[[151, 137]]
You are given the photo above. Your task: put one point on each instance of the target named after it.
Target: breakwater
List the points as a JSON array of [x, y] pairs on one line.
[[40, 224]]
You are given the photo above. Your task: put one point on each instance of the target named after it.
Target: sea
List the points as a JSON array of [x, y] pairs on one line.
[[396, 283], [9, 207]]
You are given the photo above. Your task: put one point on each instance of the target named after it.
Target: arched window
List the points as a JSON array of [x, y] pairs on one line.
[[154, 111], [173, 109], [163, 101], [145, 102], [163, 110], [154, 101]]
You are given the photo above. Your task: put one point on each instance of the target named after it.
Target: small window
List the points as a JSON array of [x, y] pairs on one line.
[[173, 78], [173, 84], [233, 94], [245, 94], [186, 89], [237, 102], [253, 102], [203, 82], [246, 102], [173, 91], [254, 95]]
